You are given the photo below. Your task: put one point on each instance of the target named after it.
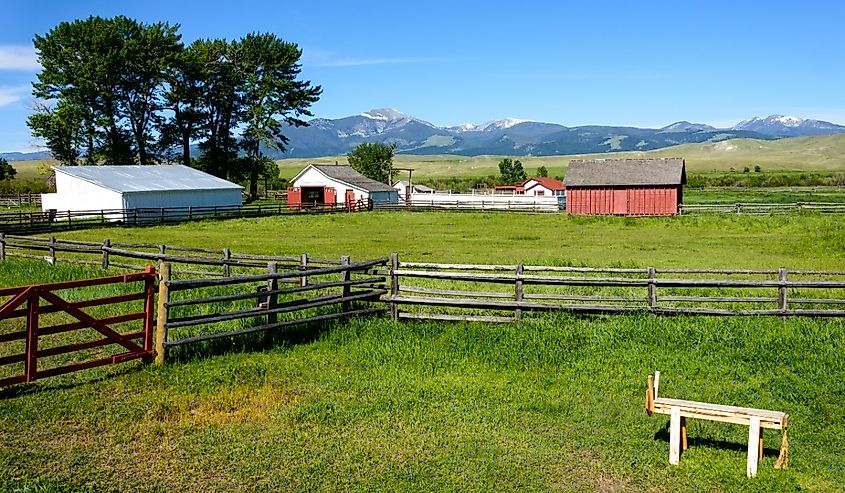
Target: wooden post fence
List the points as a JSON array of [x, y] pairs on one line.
[[161, 319], [227, 257], [394, 285], [652, 289], [105, 248], [273, 296], [346, 276], [518, 291], [303, 265]]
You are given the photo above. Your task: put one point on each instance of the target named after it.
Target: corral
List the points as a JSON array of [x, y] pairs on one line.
[[428, 405]]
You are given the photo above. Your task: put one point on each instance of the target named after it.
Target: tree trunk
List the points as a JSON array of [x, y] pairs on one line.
[[253, 173]]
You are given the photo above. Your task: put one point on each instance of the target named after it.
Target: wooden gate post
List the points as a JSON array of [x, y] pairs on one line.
[[782, 274], [346, 277], [52, 246], [517, 314], [149, 304], [394, 285], [303, 264], [32, 334], [227, 256], [2, 246], [272, 298], [106, 246], [652, 289], [161, 319]]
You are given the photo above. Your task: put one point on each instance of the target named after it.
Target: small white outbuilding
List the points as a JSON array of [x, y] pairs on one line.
[[96, 188], [325, 185]]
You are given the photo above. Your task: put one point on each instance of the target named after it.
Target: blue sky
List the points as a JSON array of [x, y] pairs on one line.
[[574, 63]]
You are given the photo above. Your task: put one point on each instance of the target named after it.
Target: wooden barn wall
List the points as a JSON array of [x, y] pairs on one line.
[[642, 201]]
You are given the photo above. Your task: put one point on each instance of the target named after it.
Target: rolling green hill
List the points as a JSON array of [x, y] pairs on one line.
[[822, 153]]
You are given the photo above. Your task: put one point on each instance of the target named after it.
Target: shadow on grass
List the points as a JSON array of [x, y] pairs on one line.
[[663, 436], [49, 384], [252, 342]]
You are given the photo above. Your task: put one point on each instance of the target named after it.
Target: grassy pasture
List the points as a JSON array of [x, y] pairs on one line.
[[552, 404]]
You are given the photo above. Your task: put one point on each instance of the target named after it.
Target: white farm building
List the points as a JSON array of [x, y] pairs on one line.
[[97, 188], [324, 185]]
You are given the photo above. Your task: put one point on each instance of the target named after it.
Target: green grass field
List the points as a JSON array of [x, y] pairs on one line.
[[554, 403]]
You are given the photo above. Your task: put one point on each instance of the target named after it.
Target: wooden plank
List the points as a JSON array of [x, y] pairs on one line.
[[706, 406], [675, 436], [14, 358], [526, 278], [456, 318], [244, 296], [292, 306], [202, 283], [753, 447]]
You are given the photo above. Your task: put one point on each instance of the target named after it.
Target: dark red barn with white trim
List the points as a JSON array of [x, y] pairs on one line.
[[627, 187]]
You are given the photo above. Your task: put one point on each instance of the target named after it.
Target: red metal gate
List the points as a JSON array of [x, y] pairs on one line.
[[32, 297]]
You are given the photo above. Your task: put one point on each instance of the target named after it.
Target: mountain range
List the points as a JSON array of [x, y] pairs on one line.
[[510, 136]]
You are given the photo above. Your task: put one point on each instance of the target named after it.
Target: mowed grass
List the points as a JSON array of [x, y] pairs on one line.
[[731, 241], [554, 403]]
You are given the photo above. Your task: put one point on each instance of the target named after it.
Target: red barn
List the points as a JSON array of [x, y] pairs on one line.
[[627, 187]]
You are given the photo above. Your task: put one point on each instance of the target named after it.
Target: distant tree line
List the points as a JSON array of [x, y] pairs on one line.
[[118, 91]]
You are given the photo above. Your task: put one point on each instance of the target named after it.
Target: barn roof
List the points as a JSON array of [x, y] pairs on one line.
[[138, 179], [547, 182], [615, 172], [348, 175]]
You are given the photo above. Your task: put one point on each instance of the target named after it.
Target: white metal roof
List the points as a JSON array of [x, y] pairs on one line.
[[139, 179]]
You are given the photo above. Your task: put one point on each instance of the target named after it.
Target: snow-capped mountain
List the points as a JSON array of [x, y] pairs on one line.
[[488, 126], [788, 126], [510, 136]]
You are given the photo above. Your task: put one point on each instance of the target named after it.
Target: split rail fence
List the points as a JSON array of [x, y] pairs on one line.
[[43, 333], [192, 311], [502, 293], [45, 222], [764, 208]]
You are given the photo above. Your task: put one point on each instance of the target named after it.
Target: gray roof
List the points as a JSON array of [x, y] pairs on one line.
[[138, 179], [349, 176], [616, 172]]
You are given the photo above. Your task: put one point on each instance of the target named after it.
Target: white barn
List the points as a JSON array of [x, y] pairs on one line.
[[402, 187], [320, 185], [96, 188]]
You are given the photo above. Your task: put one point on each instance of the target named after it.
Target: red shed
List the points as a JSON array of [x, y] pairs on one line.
[[628, 187]]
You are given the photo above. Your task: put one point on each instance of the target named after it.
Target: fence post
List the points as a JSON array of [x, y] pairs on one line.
[[149, 304], [394, 285], [105, 247], [161, 319], [303, 264], [32, 334], [518, 291], [273, 298], [52, 245], [2, 246], [227, 256], [782, 275], [652, 289], [346, 277]]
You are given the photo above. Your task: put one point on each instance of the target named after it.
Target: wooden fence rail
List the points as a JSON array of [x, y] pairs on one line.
[[489, 292], [321, 294], [48, 221], [90, 332], [764, 208], [185, 260]]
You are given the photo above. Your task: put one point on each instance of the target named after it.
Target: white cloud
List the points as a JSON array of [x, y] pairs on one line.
[[18, 57], [321, 58], [12, 94]]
